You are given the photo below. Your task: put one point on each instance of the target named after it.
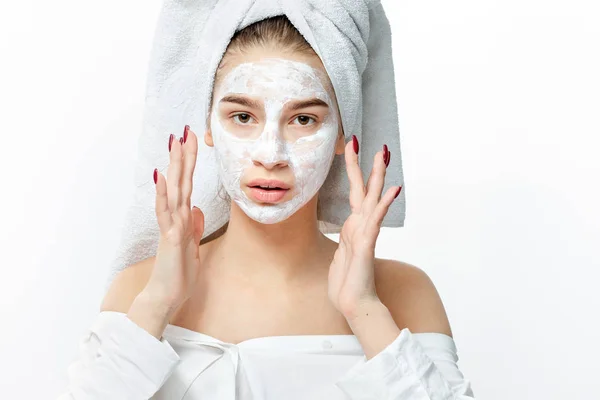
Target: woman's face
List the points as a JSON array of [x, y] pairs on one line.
[[273, 118]]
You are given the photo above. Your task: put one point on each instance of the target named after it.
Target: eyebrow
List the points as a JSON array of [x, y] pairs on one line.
[[297, 105], [241, 101], [307, 103]]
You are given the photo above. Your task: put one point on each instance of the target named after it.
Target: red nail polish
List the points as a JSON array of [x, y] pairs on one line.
[[389, 158], [171, 140], [181, 140], [155, 176], [355, 143], [185, 133], [385, 154], [398, 192]]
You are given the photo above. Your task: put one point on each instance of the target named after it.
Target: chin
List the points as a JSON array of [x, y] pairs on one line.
[[267, 213]]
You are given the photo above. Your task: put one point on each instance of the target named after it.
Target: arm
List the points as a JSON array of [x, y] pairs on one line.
[[122, 356], [399, 364]]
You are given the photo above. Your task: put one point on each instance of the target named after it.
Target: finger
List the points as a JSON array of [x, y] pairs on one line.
[[371, 175], [174, 175], [375, 182], [198, 221], [357, 186], [163, 214], [380, 211], [190, 152]]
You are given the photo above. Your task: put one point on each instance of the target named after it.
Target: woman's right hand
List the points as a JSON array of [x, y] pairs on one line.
[[177, 264]]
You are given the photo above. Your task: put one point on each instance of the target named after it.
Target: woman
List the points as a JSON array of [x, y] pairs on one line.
[[271, 308]]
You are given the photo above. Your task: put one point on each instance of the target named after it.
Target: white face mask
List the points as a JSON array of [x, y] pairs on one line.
[[241, 146]]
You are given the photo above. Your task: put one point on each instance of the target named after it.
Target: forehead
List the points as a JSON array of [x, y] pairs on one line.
[[270, 75], [275, 78]]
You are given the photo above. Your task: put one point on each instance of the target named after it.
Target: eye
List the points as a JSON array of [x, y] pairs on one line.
[[304, 120], [243, 118]]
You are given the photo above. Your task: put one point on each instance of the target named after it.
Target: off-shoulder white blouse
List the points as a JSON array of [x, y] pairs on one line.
[[120, 360]]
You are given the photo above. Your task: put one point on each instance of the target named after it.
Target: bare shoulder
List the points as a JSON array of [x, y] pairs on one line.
[[410, 295], [126, 285]]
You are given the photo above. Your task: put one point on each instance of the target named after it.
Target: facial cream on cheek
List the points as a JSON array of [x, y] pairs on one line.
[[276, 81]]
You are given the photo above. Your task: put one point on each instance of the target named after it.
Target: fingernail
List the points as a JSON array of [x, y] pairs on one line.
[[181, 140], [355, 143], [171, 140], [155, 176], [389, 158], [385, 154], [398, 192], [185, 133]]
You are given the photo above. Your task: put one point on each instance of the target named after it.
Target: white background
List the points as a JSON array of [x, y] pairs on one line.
[[499, 119]]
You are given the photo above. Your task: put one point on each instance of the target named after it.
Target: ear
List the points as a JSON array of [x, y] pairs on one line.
[[340, 144], [208, 139]]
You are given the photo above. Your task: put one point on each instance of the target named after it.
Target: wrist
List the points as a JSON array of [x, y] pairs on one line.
[[363, 309], [374, 327], [366, 312], [150, 312], [156, 294], [161, 305]]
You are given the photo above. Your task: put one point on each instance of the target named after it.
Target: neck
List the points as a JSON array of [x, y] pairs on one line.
[[286, 251]]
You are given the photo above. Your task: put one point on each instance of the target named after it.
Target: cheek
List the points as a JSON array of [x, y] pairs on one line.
[[317, 148], [307, 146], [312, 157], [235, 156], [231, 150]]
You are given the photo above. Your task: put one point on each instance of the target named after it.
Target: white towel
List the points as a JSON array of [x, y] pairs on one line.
[[353, 40]]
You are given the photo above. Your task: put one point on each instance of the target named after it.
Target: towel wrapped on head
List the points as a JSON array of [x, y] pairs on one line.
[[352, 39]]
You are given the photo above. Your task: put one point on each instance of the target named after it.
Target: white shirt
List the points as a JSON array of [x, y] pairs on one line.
[[120, 360]]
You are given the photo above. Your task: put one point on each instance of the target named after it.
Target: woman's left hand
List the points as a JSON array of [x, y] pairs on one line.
[[351, 273]]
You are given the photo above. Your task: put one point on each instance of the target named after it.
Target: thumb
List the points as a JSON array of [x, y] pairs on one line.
[[198, 223]]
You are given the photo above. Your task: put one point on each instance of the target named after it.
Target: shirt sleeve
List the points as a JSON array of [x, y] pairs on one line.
[[119, 360], [420, 366]]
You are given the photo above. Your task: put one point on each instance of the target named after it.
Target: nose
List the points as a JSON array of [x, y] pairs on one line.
[[270, 149], [271, 165]]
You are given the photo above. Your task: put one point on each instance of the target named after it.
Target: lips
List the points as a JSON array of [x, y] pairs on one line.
[[268, 184], [268, 190]]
